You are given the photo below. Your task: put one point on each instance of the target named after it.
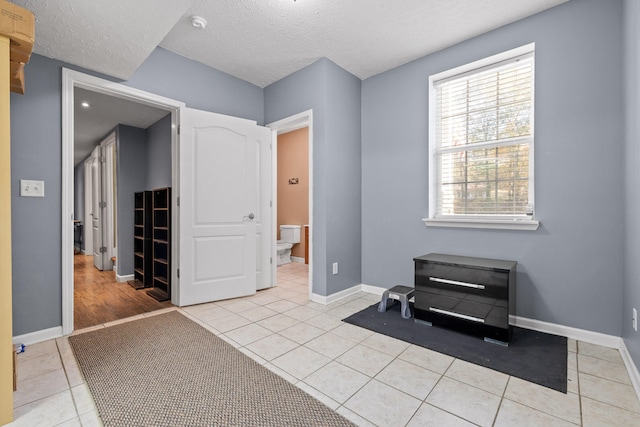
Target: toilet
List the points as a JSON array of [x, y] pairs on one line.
[[289, 236]]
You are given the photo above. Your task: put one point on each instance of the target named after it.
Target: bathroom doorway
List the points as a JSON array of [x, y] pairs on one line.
[[293, 188]]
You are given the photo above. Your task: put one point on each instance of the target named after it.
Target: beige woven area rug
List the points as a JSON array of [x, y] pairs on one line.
[[167, 370]]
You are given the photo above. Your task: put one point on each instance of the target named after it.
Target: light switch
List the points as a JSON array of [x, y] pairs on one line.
[[29, 188]]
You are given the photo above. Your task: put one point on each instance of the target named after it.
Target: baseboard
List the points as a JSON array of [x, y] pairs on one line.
[[125, 278], [632, 369], [598, 338], [38, 336], [321, 299], [297, 259]]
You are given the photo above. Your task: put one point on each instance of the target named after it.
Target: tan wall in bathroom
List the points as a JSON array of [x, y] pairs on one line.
[[293, 199]]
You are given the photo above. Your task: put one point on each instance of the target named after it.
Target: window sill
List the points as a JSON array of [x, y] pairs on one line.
[[498, 224]]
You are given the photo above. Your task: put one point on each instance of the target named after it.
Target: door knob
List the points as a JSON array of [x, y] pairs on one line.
[[250, 216]]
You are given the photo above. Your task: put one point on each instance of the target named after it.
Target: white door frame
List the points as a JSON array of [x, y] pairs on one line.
[[70, 80], [87, 237], [289, 124], [109, 192]]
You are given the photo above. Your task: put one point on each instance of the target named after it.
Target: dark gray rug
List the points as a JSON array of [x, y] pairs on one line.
[[167, 370], [533, 356]]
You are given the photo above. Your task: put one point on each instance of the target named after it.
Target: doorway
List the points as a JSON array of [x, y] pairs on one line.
[[113, 137], [73, 80], [284, 126]]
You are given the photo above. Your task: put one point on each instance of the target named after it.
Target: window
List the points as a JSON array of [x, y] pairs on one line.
[[481, 143]]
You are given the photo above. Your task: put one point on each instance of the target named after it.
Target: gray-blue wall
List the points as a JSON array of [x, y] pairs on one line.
[[631, 290], [132, 172], [159, 154], [334, 96], [36, 153], [570, 271]]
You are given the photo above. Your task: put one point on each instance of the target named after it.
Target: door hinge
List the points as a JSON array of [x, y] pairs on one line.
[[178, 201], [270, 203], [270, 260], [178, 273], [103, 249], [178, 129], [101, 159], [103, 204]]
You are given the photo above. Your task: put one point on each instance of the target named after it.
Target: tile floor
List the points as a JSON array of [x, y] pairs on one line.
[[371, 379]]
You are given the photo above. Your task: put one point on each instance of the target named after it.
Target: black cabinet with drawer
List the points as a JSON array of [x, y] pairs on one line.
[[475, 295]]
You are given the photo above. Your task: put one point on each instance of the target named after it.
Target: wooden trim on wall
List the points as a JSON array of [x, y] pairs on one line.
[[6, 327]]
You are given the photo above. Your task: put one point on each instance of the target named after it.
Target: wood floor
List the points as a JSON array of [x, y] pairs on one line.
[[98, 298]]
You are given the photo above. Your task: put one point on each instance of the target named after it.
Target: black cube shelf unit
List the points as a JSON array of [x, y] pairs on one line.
[[161, 232], [142, 248], [475, 295]]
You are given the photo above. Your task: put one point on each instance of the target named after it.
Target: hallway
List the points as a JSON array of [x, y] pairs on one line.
[[98, 298]]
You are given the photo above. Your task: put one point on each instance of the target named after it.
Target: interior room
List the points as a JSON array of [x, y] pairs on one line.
[[365, 86]]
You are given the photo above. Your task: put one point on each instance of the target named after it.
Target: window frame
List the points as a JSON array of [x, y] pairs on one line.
[[510, 222]]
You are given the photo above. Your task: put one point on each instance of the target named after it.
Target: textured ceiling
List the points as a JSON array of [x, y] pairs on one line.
[[261, 41]]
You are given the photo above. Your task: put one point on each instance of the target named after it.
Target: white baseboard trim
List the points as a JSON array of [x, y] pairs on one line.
[[632, 369], [125, 278], [321, 299], [598, 338], [297, 259], [38, 336]]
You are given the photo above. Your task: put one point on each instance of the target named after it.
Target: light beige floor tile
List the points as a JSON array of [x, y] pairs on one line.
[[302, 333], [301, 362], [83, 399], [372, 297], [39, 387], [325, 321], [383, 405], [278, 322], [515, 414], [354, 418], [572, 373], [385, 344], [572, 345], [74, 376], [207, 313], [281, 373], [272, 346], [64, 348], [352, 332], [91, 419], [599, 352], [320, 396], [600, 414], [478, 376], [318, 307], [359, 304], [337, 381], [248, 334], [229, 341], [258, 313], [409, 378], [38, 365], [343, 311], [365, 359], [302, 313], [75, 422], [282, 305], [263, 298], [330, 345], [238, 305], [603, 369], [610, 392], [430, 416], [229, 323], [561, 405], [254, 356], [470, 403], [428, 359], [36, 350], [50, 411]]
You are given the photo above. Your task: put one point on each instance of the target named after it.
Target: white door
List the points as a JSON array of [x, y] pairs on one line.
[[109, 199], [96, 209], [87, 226], [264, 227], [218, 204]]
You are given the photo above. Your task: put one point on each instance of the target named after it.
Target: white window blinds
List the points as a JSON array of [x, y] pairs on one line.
[[484, 140]]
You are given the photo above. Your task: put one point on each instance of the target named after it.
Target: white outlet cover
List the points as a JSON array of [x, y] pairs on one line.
[[31, 188]]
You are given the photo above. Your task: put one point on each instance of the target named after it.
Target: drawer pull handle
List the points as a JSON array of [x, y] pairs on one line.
[[455, 282], [458, 315]]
